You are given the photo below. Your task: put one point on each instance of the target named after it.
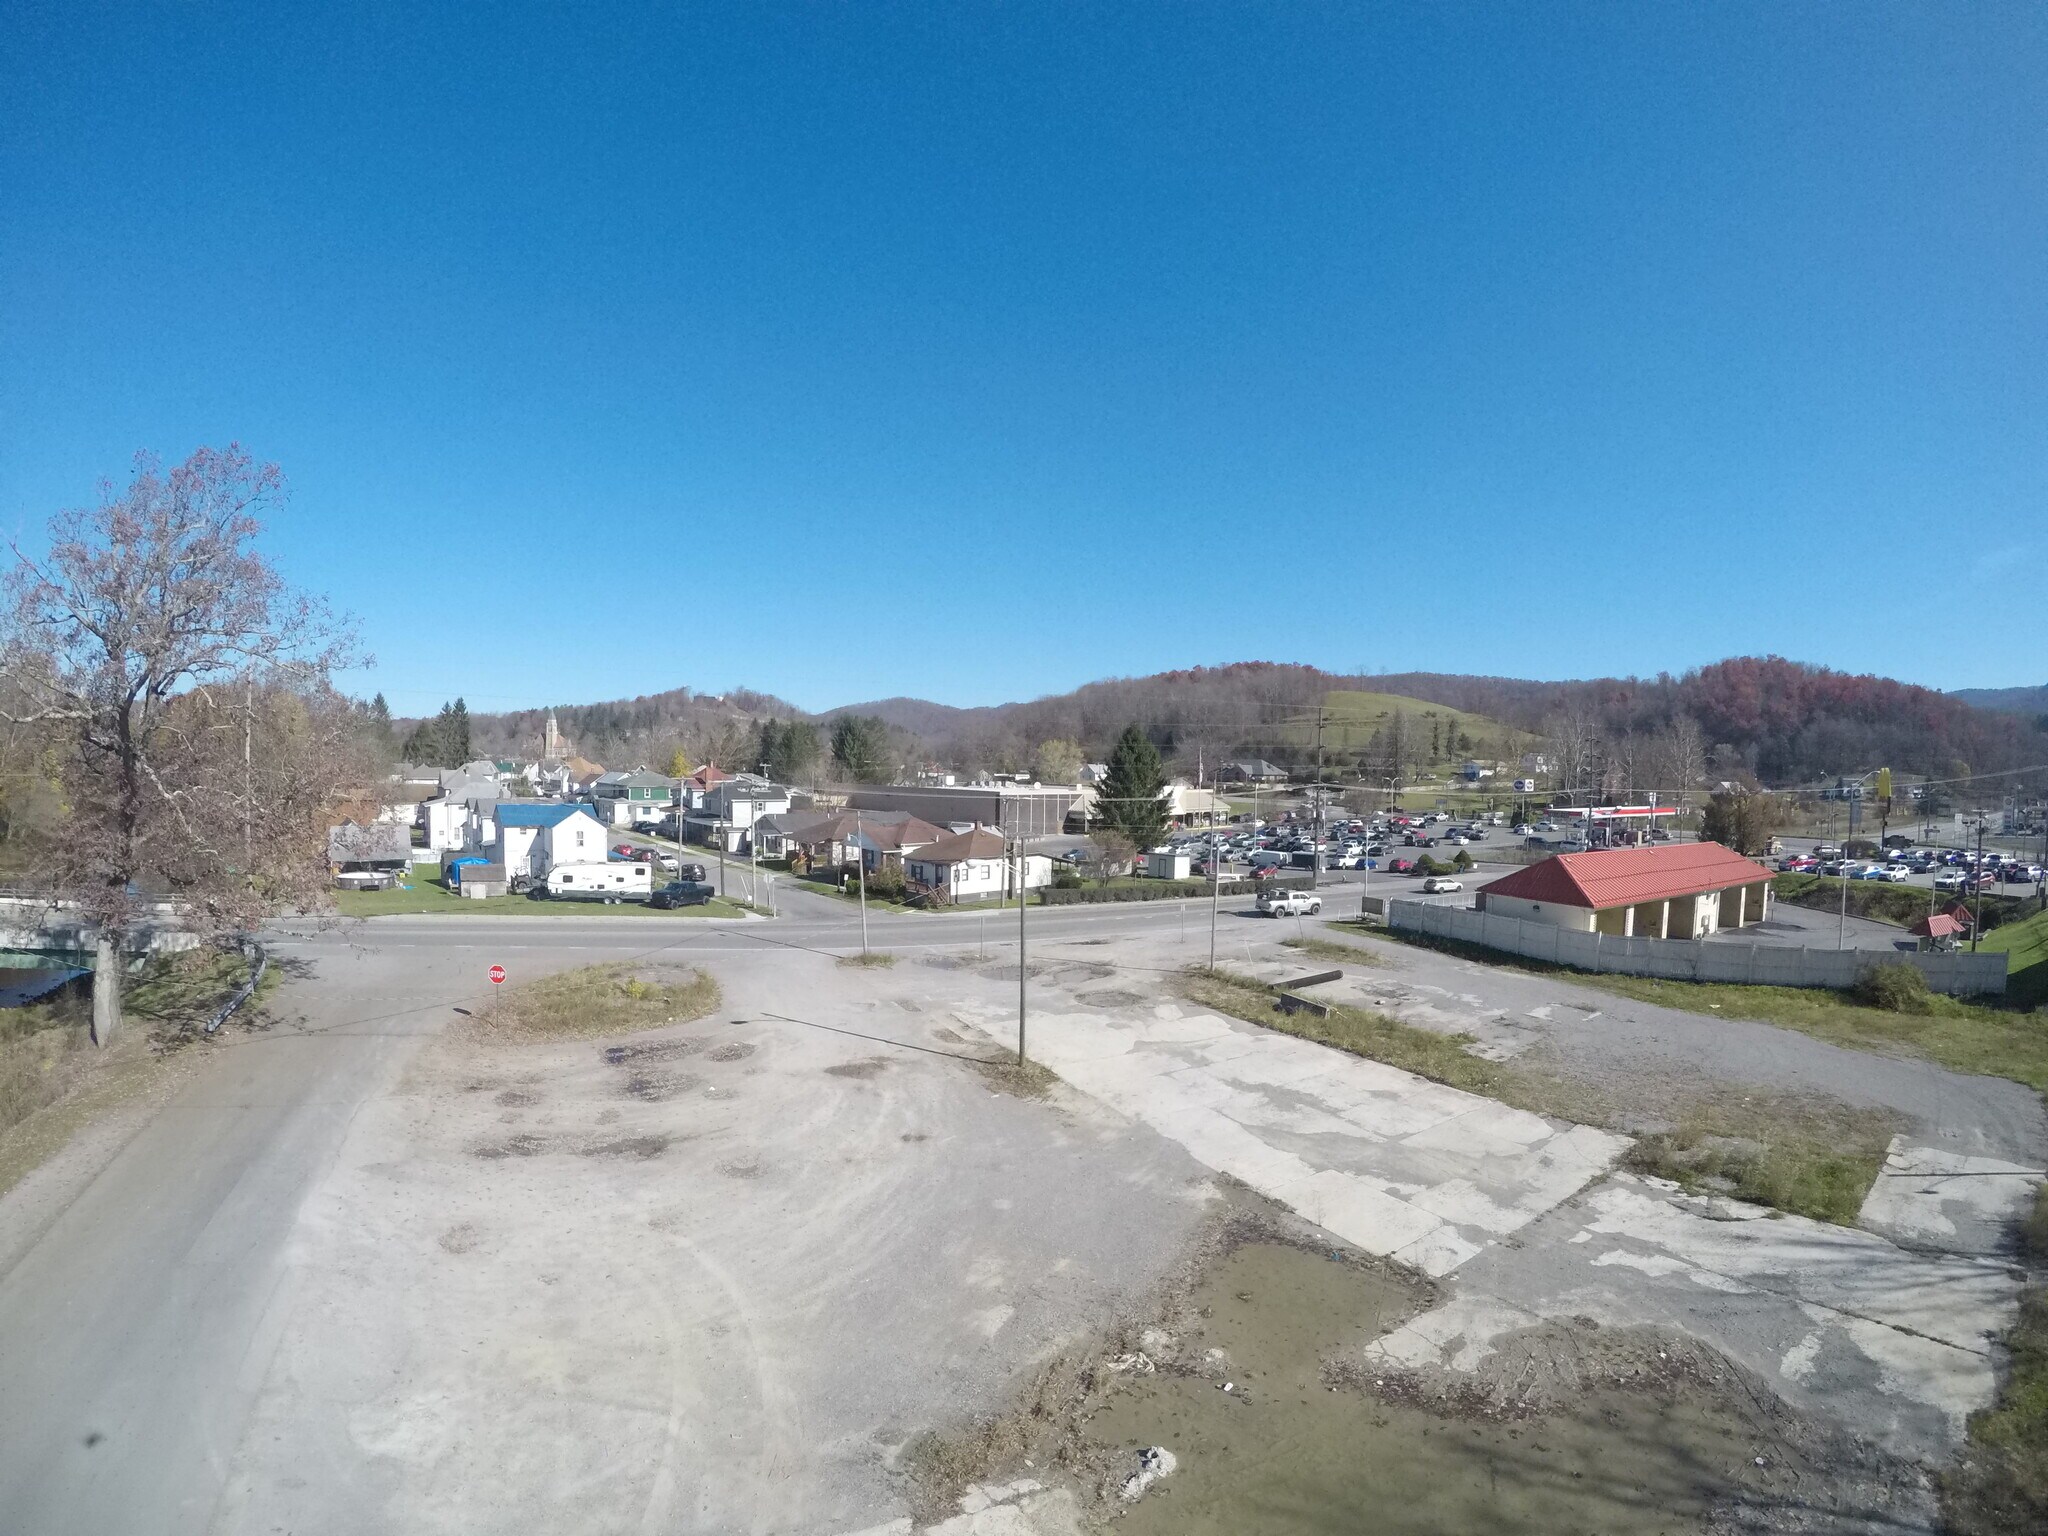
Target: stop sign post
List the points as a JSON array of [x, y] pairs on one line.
[[497, 975]]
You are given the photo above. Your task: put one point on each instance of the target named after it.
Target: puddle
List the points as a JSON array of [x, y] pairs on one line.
[[653, 1050], [512, 1146], [861, 1069], [642, 1147], [652, 1087], [1285, 1452]]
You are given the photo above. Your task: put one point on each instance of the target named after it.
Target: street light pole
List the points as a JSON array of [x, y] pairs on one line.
[[860, 868], [1021, 969]]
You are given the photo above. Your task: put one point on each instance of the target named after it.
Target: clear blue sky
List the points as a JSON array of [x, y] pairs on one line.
[[974, 351]]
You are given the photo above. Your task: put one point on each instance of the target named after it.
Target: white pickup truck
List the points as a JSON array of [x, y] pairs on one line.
[[1289, 904]]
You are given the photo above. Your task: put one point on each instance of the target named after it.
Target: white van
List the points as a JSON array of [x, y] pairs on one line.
[[609, 882]]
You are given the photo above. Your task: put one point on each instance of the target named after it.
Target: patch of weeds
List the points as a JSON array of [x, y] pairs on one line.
[[1332, 950], [1440, 1058], [1799, 1153], [874, 959], [735, 1050], [1895, 987], [1804, 1154], [1999, 1486], [1023, 1079], [593, 1001]]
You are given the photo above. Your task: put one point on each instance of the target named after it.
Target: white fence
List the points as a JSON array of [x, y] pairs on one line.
[[1691, 959]]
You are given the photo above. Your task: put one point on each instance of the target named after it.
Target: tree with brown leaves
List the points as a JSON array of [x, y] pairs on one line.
[[185, 690]]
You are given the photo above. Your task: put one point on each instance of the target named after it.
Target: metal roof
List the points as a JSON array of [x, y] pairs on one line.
[[1622, 877], [532, 815]]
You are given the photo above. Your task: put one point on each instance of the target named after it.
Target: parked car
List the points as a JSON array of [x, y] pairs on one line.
[[1950, 880], [1277, 903], [681, 893], [625, 851], [1895, 874], [1437, 885], [1401, 866]]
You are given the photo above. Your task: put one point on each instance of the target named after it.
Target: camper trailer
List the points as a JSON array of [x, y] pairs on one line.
[[610, 882]]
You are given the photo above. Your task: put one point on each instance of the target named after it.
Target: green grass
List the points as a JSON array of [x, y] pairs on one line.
[[1801, 1153], [1967, 1037], [430, 895], [2000, 1484], [874, 959], [2025, 944], [590, 1003]]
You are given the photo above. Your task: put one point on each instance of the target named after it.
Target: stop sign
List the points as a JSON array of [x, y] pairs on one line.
[[497, 975]]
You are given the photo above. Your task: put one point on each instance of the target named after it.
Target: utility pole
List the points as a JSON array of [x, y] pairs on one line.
[[1215, 896], [860, 868], [1315, 859], [1977, 885], [1842, 930], [1023, 970]]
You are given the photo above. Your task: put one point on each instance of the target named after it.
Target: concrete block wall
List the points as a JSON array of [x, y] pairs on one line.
[[1960, 974]]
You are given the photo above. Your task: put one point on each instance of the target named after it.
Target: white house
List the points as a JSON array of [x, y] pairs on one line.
[[726, 810], [451, 819], [974, 866], [532, 837]]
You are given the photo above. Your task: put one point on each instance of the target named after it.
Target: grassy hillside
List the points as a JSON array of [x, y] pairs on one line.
[[1355, 717], [2026, 945]]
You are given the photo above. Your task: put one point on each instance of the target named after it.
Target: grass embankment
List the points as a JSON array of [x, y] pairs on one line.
[[2000, 1484], [1968, 1037], [427, 895], [1881, 901], [53, 1081], [590, 1003], [2025, 945], [1805, 1154]]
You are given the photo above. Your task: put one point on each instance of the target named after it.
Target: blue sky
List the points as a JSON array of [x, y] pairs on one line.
[[975, 351]]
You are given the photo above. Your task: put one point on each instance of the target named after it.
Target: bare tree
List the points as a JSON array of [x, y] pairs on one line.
[[1579, 747], [1678, 756], [185, 691]]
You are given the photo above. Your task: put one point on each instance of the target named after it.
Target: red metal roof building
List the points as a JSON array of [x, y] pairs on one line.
[[1668, 891]]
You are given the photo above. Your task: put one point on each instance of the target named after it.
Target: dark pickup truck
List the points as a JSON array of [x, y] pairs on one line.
[[681, 893]]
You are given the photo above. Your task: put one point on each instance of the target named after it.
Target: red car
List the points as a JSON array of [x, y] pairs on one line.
[[626, 851], [1400, 866]]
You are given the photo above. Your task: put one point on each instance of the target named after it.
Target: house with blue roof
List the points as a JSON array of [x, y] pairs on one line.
[[530, 837]]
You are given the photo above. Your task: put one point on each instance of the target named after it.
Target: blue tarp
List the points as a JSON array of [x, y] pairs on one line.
[[19, 987]]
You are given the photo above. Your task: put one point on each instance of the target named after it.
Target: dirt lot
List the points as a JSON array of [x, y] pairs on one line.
[[1254, 1381], [713, 1277], [816, 1263]]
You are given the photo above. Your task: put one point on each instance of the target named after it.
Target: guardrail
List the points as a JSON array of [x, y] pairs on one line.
[[246, 990]]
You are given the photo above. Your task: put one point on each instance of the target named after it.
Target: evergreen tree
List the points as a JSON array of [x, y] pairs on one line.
[[860, 745], [1130, 799], [457, 733]]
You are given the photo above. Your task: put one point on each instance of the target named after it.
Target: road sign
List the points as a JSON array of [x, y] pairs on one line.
[[497, 975]]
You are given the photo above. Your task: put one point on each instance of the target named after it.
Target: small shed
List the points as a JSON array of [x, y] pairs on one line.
[[1167, 864], [1941, 930]]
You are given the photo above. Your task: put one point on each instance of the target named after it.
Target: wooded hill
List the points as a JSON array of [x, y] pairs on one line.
[[1781, 721]]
